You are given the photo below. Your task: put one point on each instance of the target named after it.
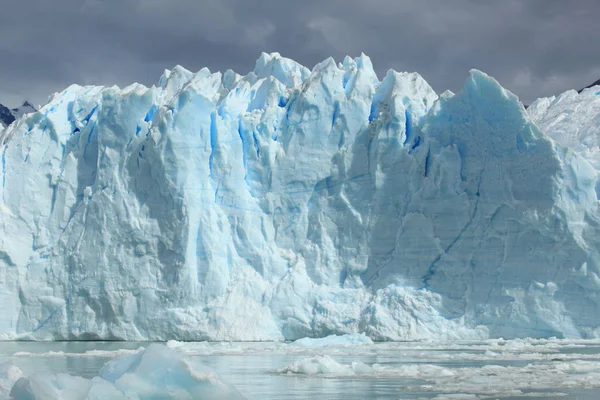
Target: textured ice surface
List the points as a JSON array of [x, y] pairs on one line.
[[9, 374], [538, 380], [153, 373], [325, 365], [334, 340], [494, 369], [290, 203], [541, 368], [573, 120]]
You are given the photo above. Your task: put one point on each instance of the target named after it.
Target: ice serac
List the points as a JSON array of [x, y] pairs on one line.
[[292, 203], [572, 119]]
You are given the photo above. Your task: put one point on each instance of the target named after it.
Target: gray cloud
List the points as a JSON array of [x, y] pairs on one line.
[[534, 48]]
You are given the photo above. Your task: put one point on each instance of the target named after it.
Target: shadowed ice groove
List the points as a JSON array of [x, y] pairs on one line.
[[292, 202]]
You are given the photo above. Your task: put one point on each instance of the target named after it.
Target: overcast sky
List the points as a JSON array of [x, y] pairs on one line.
[[533, 47]]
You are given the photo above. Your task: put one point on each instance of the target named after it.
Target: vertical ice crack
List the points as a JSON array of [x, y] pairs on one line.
[[3, 171], [427, 163], [213, 142], [500, 270], [53, 201], [431, 270], [390, 257], [407, 127], [244, 150]]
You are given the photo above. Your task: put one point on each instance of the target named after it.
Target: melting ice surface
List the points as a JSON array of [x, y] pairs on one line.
[[348, 367], [291, 202], [153, 373]]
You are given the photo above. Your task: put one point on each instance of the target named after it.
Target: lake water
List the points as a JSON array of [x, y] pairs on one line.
[[407, 370]]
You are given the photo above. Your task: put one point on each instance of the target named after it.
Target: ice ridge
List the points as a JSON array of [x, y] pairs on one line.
[[291, 202]]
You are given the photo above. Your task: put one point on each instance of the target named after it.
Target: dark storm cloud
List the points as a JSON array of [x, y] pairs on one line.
[[534, 47]]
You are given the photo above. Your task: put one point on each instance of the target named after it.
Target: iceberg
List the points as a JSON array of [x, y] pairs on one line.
[[292, 203], [9, 374], [154, 373], [325, 365]]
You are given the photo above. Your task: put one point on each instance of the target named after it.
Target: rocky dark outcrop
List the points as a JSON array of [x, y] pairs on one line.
[[589, 86], [6, 115]]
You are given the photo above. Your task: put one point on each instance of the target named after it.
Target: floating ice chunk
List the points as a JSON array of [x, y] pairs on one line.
[[9, 374], [155, 373], [537, 380], [64, 387], [325, 365], [159, 372]]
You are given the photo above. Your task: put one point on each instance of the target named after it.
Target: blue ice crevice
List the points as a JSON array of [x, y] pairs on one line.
[[432, 269], [407, 127], [213, 142], [242, 134], [150, 114], [89, 115]]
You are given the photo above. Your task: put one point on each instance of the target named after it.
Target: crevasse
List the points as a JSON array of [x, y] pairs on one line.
[[290, 203]]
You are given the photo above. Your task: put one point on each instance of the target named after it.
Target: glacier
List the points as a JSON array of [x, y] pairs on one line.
[[572, 120], [291, 203]]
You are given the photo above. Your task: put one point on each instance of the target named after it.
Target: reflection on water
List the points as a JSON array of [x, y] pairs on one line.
[[252, 368]]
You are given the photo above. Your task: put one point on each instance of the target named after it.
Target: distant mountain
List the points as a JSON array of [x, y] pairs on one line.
[[25, 108], [8, 115], [592, 85]]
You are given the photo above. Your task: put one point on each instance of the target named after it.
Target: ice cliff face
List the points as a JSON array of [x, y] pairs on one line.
[[573, 120], [290, 203]]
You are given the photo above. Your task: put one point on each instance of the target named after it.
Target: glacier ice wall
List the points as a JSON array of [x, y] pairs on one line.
[[573, 120], [290, 203]]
